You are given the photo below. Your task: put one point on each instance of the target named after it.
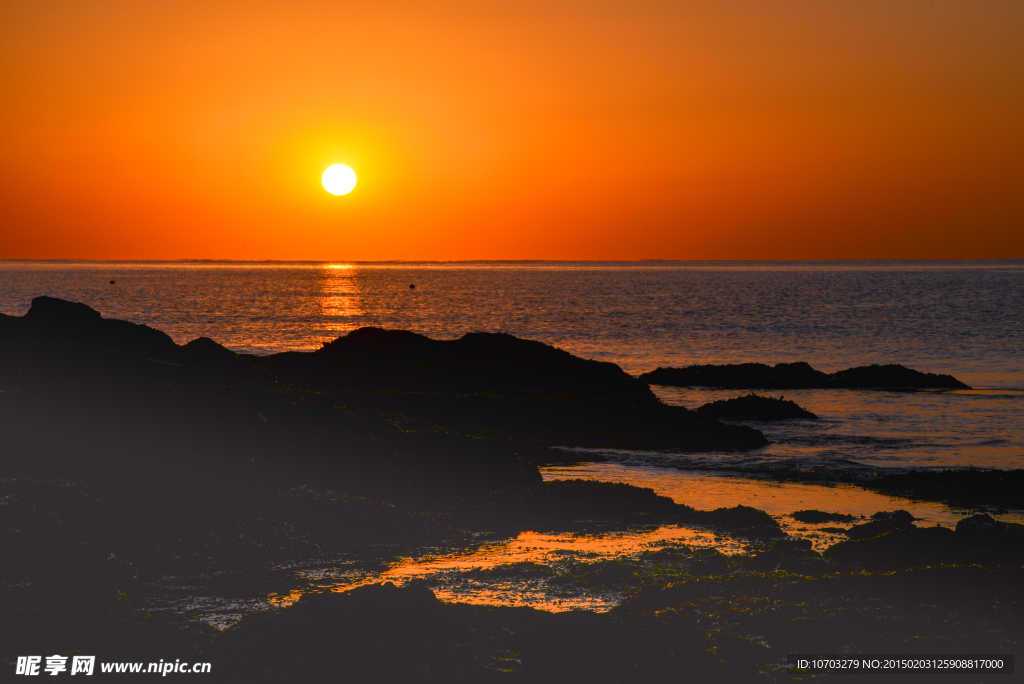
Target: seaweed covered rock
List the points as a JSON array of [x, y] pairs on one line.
[[708, 562], [892, 542], [741, 521], [791, 545], [755, 407], [882, 523], [983, 528], [896, 547], [382, 633], [612, 573], [373, 633], [800, 376]]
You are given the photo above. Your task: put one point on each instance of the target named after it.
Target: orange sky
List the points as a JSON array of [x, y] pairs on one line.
[[534, 129]]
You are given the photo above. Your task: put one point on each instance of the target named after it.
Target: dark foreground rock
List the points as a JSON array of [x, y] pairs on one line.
[[800, 375], [755, 407], [881, 523], [927, 610], [735, 625], [967, 488], [891, 542], [383, 633], [814, 517]]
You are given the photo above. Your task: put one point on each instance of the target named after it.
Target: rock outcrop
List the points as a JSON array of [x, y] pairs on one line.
[[755, 407], [800, 376], [483, 385]]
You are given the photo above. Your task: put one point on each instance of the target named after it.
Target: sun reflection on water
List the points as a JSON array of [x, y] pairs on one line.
[[338, 294]]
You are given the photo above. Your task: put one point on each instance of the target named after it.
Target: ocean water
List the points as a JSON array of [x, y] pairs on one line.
[[961, 318]]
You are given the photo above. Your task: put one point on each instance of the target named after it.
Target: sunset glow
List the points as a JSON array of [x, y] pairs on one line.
[[738, 130]]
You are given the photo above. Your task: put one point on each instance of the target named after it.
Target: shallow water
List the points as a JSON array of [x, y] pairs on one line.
[[862, 432], [487, 574], [707, 491], [458, 576]]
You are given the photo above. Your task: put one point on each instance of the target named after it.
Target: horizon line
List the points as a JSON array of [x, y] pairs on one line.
[[508, 261]]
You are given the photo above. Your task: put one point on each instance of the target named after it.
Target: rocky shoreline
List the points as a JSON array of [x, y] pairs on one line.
[[135, 468]]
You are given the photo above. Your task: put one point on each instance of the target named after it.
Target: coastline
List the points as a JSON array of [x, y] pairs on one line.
[[144, 476]]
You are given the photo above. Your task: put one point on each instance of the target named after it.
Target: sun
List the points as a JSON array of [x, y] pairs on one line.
[[339, 179]]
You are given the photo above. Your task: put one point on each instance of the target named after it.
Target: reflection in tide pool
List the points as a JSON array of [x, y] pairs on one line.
[[530, 569], [525, 570], [707, 491], [505, 573]]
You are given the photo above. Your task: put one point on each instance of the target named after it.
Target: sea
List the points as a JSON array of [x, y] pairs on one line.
[[963, 318]]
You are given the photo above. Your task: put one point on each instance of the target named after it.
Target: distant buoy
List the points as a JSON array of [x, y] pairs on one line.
[[412, 287], [111, 282]]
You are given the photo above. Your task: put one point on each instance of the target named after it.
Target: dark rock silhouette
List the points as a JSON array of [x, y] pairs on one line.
[[373, 633], [900, 517], [984, 529], [892, 541], [740, 376], [496, 384], [742, 521], [892, 376], [869, 609], [881, 523], [50, 310], [813, 517], [383, 633], [688, 627], [755, 407], [800, 376], [58, 322], [495, 363], [492, 386], [968, 487]]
